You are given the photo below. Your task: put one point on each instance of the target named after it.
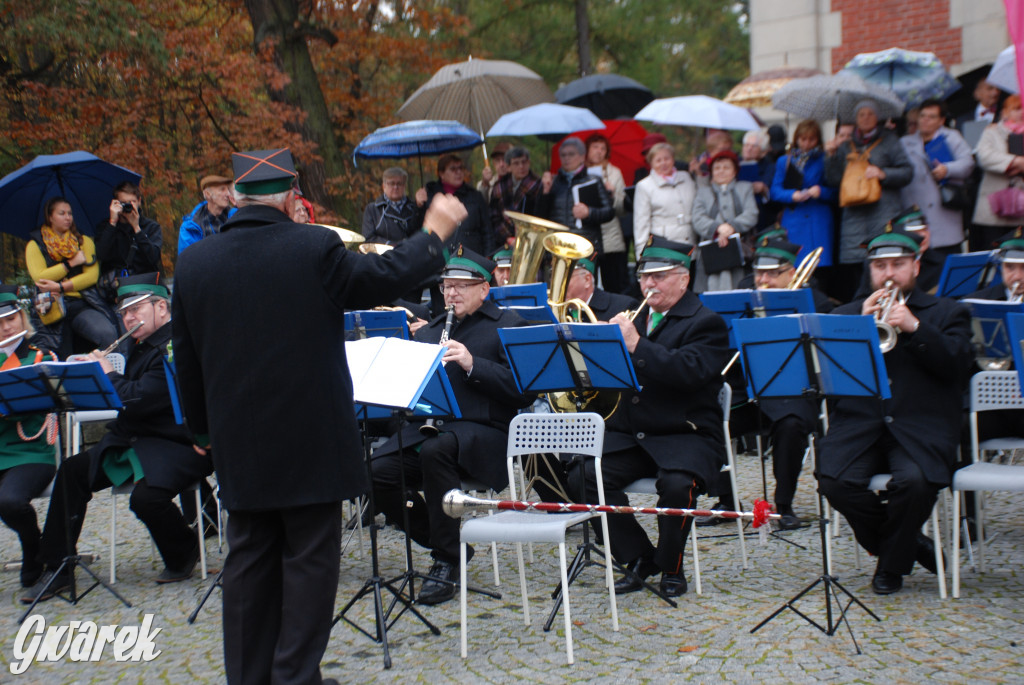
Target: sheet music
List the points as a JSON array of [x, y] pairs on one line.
[[390, 372]]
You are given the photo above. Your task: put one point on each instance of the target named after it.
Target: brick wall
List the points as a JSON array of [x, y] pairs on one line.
[[873, 25]]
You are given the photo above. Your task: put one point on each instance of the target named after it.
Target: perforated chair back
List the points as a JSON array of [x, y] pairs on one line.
[[556, 433], [995, 390]]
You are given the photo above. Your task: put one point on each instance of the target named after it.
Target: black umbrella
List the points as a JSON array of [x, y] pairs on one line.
[[609, 96]]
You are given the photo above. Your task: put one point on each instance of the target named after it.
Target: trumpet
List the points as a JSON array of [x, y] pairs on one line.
[[887, 335]]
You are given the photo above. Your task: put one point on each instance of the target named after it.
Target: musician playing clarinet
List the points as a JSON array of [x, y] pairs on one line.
[[144, 445], [440, 455], [672, 428], [914, 435]]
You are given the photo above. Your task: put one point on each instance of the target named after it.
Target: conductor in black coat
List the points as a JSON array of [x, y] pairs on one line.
[[914, 435], [604, 304], [144, 445], [438, 457], [672, 428], [259, 343]]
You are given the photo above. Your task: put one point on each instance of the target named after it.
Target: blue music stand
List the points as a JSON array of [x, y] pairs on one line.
[[990, 327], [60, 387], [424, 390], [749, 304], [963, 274], [376, 324], [578, 358], [818, 356], [521, 295], [1015, 324]]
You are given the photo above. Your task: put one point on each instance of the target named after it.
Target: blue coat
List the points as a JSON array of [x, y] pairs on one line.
[[808, 223]]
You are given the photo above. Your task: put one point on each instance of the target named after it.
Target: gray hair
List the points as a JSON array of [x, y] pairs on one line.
[[515, 153], [274, 200], [395, 172], [574, 142], [759, 137]]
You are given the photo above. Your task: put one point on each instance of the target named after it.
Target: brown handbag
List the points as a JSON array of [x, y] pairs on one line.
[[855, 189]]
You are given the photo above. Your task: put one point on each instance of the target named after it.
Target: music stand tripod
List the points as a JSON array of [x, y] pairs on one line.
[[61, 388], [579, 359], [800, 357]]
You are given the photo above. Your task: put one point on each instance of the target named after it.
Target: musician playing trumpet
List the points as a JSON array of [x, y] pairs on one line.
[[672, 428], [914, 435], [438, 458]]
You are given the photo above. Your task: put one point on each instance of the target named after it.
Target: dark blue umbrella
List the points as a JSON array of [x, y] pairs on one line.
[[84, 180], [416, 138]]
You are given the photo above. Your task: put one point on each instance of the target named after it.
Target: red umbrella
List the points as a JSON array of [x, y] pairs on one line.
[[626, 137]]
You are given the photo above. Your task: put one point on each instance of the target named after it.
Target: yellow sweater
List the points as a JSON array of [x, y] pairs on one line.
[[37, 269]]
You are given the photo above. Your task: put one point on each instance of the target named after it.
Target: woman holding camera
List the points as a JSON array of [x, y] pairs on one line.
[[62, 263]]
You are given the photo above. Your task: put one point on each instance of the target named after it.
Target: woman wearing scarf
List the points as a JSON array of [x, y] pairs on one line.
[[889, 164], [63, 262], [799, 184], [26, 443], [1001, 167]]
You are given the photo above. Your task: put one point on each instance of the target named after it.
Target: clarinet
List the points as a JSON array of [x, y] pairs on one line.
[[428, 428]]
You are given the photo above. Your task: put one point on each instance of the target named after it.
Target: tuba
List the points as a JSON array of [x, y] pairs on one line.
[[529, 249], [565, 249], [351, 239], [375, 248]]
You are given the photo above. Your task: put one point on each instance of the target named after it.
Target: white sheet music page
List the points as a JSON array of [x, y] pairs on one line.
[[390, 372]]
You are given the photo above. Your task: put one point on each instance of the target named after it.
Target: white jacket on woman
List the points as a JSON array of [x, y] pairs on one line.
[[664, 208]]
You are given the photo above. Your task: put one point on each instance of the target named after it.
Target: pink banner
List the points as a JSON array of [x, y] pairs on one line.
[[1015, 22]]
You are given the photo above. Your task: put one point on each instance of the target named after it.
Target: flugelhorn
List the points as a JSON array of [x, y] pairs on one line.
[[887, 335]]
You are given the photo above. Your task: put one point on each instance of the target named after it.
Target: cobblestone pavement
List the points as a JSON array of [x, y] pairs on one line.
[[920, 638]]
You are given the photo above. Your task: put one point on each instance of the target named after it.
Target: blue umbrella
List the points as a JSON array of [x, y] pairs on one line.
[[84, 180], [545, 118], [914, 76], [416, 138]]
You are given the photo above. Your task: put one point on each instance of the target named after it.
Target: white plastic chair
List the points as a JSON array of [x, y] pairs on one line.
[[990, 390], [530, 434], [647, 486]]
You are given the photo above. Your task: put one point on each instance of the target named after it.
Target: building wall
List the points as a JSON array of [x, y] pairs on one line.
[[825, 34]]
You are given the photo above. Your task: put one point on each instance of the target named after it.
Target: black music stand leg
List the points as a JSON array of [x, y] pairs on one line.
[[374, 584], [832, 593], [206, 595], [69, 562]]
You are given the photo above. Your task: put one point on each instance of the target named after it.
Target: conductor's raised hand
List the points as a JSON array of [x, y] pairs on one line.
[[444, 215]]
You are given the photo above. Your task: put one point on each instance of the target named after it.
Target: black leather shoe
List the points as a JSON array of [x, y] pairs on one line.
[[925, 554], [886, 583], [705, 521], [171, 575], [440, 584], [636, 572], [47, 587], [673, 584], [30, 572], [789, 520]]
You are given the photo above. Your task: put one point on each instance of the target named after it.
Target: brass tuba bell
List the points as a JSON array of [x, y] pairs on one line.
[[351, 239], [375, 248], [529, 249]]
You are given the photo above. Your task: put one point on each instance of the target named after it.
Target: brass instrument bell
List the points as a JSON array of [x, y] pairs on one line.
[[351, 239], [529, 249]]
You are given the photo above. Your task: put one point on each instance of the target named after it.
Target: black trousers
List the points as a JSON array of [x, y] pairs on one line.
[[435, 470], [789, 441], [629, 541], [886, 524], [153, 506], [18, 485], [280, 582]]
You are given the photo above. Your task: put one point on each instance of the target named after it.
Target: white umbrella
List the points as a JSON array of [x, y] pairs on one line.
[[1003, 74], [545, 118], [698, 110]]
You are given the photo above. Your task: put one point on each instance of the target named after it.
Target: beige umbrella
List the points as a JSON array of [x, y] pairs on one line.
[[757, 89], [476, 93]]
